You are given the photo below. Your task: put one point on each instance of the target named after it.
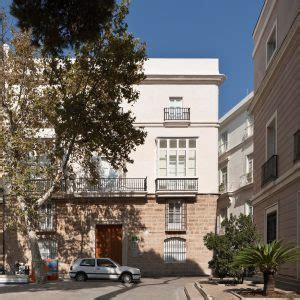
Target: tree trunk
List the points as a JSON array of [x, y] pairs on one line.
[[37, 262], [269, 283]]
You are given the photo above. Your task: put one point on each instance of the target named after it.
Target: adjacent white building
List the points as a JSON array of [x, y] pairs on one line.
[[235, 161]]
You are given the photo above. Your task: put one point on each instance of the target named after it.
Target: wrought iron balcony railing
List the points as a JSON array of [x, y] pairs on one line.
[[176, 184], [297, 146], [269, 170], [176, 113], [176, 218], [100, 185]]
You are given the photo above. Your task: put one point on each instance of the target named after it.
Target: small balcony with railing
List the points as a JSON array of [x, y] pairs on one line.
[[269, 170], [179, 116], [176, 187], [297, 146], [246, 179], [97, 188]]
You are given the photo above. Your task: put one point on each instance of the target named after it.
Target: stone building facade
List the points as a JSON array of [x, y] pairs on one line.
[[276, 111], [155, 216]]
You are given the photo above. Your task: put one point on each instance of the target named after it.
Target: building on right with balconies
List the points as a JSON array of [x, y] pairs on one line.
[[276, 111]]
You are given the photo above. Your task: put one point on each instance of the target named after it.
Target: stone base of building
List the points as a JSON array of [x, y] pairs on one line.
[[133, 231]]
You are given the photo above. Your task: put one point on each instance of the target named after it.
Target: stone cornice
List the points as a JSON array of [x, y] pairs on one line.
[[217, 79], [275, 62]]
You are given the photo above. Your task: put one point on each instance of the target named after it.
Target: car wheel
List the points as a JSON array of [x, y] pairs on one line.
[[80, 277], [126, 278]]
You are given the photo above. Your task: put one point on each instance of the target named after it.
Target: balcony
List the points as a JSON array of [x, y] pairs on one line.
[[99, 186], [176, 220], [270, 170], [178, 116], [246, 179], [297, 146], [176, 186]]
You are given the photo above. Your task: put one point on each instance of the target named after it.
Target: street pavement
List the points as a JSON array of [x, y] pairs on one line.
[[149, 288]]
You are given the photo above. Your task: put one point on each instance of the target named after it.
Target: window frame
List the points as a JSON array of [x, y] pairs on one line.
[[81, 265], [270, 210], [273, 29], [169, 253], [168, 149], [273, 118], [176, 226]]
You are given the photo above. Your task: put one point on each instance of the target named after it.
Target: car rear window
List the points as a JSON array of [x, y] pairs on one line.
[[88, 262]]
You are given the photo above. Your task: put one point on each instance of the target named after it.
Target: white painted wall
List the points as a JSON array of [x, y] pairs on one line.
[[201, 98], [239, 146]]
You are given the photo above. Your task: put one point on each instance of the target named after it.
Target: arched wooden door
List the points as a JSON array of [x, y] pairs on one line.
[[109, 242]]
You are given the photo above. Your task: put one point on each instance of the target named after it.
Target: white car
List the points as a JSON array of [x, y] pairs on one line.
[[102, 268]]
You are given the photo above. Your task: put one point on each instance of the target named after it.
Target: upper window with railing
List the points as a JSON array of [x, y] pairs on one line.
[[249, 127], [176, 111], [176, 157], [223, 179]]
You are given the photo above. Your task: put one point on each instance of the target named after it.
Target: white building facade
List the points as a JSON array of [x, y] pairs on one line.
[[235, 162]]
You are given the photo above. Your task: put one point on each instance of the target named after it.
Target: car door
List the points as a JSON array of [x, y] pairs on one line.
[[87, 265], [106, 269]]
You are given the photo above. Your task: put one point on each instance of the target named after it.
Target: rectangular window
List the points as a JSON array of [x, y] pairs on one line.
[[175, 108], [271, 226], [88, 262], [271, 138], [175, 216], [297, 146], [249, 168], [47, 215], [271, 44], [223, 144], [174, 250], [48, 248], [223, 180], [177, 157]]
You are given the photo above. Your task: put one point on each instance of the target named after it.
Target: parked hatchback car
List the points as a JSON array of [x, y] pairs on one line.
[[102, 268]]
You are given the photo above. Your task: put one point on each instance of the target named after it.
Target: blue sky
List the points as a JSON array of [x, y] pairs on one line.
[[201, 28]]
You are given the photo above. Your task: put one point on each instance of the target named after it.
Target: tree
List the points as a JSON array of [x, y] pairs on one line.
[[61, 24], [267, 258], [59, 111], [238, 234]]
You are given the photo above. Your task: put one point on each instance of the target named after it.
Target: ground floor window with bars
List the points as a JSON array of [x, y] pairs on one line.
[[48, 248], [174, 250]]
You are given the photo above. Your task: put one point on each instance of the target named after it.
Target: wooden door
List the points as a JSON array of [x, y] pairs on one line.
[[109, 242]]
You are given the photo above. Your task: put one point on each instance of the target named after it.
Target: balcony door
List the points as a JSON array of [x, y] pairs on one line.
[[175, 108], [271, 138]]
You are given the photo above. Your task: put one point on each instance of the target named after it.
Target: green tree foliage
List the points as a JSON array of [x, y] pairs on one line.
[[61, 24], [59, 111], [267, 258], [239, 232]]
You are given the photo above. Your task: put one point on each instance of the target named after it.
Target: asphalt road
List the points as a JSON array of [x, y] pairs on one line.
[[149, 288]]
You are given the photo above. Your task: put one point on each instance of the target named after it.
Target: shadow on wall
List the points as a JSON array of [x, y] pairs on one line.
[[75, 236], [77, 221]]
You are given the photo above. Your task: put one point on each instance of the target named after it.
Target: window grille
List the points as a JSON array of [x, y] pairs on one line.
[[174, 250], [48, 248], [47, 214], [175, 216]]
